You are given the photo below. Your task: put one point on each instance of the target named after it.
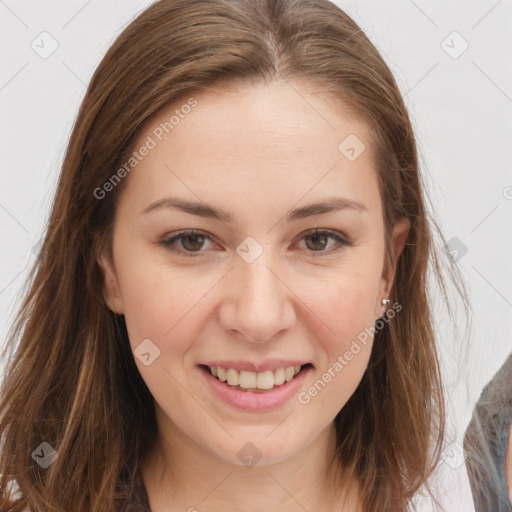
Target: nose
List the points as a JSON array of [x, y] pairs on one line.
[[257, 302]]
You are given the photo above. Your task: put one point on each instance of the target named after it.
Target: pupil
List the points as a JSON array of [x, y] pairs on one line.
[[194, 241], [316, 237]]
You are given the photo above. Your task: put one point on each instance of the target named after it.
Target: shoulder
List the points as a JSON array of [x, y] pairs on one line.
[[493, 409]]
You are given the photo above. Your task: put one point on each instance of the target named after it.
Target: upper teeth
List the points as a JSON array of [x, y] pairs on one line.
[[259, 380]]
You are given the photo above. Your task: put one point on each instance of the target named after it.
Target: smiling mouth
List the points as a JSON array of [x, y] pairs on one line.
[[255, 382]]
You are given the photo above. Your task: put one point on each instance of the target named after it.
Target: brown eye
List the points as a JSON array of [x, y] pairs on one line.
[[196, 242], [191, 241], [320, 240]]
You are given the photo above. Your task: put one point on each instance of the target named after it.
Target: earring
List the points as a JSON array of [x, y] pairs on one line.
[[385, 302]]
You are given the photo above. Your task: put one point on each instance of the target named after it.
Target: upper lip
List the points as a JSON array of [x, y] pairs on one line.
[[251, 366]]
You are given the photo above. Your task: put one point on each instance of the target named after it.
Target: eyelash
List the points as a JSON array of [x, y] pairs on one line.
[[168, 243]]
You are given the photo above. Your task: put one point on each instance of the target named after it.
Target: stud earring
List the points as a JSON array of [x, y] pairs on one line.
[[385, 302]]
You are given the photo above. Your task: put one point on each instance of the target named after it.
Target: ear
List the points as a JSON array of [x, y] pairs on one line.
[[111, 290], [400, 233]]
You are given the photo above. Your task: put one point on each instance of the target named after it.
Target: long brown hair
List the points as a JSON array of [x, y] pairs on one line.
[[71, 380]]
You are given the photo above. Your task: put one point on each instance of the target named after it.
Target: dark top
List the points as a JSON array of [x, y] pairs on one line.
[[136, 496], [485, 443]]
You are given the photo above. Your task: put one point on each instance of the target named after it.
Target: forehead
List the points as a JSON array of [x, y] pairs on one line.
[[280, 141], [277, 118]]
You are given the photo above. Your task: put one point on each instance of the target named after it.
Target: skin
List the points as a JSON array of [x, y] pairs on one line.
[[257, 151], [508, 464]]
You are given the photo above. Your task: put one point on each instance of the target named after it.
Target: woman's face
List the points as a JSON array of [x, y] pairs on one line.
[[254, 292]]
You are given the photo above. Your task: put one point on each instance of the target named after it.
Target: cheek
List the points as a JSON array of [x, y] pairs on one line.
[[167, 308], [346, 299], [160, 303], [343, 356], [346, 306]]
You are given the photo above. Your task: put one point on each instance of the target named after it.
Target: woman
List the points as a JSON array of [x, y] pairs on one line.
[[231, 298], [488, 444]]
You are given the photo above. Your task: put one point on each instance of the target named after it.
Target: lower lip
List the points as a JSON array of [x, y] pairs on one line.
[[249, 401]]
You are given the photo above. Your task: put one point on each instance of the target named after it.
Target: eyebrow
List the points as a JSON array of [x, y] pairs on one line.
[[207, 211]]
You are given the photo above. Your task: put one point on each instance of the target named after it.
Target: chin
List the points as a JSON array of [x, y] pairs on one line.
[[250, 451]]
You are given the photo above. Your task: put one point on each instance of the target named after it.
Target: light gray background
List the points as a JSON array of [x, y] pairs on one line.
[[461, 110]]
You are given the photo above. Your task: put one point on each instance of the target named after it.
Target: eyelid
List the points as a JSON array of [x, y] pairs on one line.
[[341, 239]]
